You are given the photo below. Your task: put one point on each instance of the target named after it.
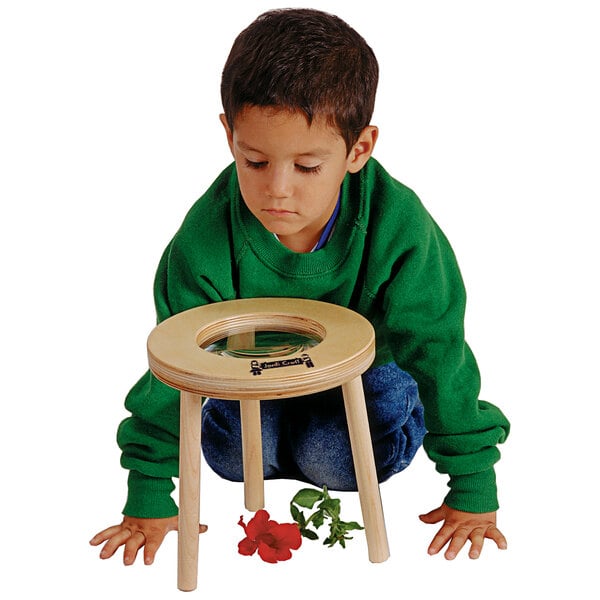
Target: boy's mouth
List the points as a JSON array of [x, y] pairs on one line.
[[278, 212]]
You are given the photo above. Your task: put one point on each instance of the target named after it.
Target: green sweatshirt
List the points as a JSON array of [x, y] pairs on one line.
[[387, 260]]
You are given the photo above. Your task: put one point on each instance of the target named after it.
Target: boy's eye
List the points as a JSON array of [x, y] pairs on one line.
[[255, 164], [304, 169]]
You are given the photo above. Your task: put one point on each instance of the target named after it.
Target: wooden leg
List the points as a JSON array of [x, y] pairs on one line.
[[364, 466], [189, 491], [254, 495]]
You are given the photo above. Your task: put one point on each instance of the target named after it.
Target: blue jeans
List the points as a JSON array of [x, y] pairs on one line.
[[307, 439]]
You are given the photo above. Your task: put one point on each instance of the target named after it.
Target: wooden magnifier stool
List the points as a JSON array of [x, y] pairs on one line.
[[187, 352]]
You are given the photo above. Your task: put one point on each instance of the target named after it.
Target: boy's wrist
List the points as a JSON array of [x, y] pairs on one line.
[[475, 492], [149, 497]]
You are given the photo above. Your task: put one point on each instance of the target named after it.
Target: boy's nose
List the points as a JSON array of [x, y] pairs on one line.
[[279, 185]]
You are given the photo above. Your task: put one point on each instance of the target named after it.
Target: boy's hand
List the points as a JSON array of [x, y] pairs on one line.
[[134, 533], [461, 526]]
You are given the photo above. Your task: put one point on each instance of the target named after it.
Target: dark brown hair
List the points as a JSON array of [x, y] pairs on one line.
[[307, 60]]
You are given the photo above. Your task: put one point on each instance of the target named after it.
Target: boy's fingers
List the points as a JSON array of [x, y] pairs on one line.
[[114, 542], [459, 539], [150, 550], [440, 540], [493, 533], [133, 544], [477, 538], [433, 516], [104, 535]]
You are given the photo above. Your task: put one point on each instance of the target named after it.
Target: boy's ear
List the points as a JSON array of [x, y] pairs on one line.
[[228, 131], [362, 149]]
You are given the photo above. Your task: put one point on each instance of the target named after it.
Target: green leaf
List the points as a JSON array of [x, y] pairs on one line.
[[295, 512], [317, 518], [307, 497], [351, 525], [298, 515], [331, 506], [309, 533]]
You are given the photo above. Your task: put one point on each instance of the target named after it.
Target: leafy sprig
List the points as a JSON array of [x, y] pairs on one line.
[[327, 508]]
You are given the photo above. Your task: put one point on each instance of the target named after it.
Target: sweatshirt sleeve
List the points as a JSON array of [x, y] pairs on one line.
[[149, 437], [424, 312]]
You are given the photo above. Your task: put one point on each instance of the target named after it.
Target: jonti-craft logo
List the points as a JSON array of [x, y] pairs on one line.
[[256, 367]]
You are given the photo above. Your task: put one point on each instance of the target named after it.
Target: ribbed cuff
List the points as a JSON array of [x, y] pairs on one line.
[[149, 497], [476, 493]]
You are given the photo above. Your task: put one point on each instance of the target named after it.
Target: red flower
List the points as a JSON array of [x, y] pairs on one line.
[[273, 540]]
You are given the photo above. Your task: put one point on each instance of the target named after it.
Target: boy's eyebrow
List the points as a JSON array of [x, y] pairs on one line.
[[320, 152]]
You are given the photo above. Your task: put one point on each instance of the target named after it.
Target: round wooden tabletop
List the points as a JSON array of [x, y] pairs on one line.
[[179, 348]]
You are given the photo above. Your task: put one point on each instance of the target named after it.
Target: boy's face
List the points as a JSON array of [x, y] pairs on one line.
[[290, 173]]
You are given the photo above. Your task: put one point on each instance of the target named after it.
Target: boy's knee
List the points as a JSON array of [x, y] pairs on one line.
[[222, 439], [331, 462], [392, 397], [323, 456]]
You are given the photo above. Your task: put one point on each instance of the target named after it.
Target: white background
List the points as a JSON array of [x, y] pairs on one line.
[[109, 132]]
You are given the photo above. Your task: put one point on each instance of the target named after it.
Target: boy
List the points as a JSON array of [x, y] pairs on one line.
[[305, 211]]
